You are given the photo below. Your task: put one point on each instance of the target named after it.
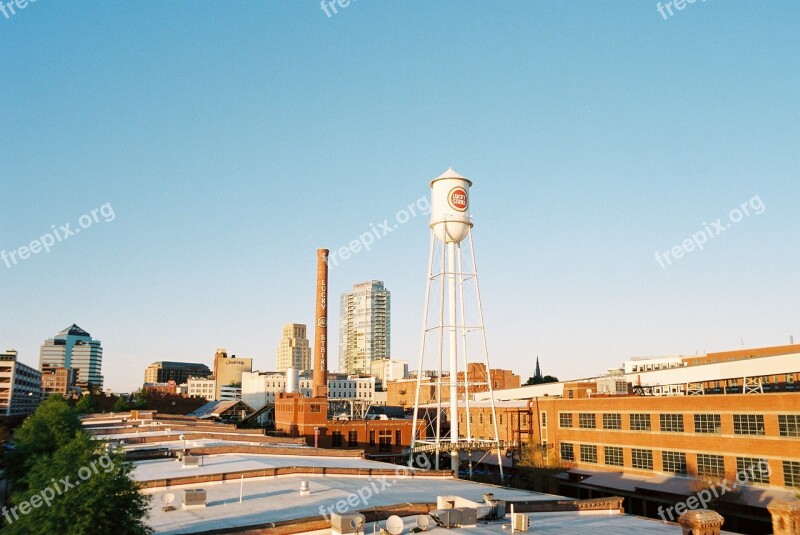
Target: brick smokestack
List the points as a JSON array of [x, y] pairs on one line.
[[321, 328]]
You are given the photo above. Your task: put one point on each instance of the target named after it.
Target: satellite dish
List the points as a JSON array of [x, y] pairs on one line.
[[423, 522], [394, 525], [356, 522], [168, 498]]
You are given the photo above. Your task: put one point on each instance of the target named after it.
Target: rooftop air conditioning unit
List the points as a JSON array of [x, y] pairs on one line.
[[346, 524], [194, 498]]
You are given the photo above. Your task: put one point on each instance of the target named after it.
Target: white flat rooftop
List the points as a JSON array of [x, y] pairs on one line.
[[169, 432], [209, 442], [555, 523], [235, 462], [279, 499]]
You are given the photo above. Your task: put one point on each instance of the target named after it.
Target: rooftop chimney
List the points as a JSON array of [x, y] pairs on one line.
[[701, 522], [321, 328], [785, 516]]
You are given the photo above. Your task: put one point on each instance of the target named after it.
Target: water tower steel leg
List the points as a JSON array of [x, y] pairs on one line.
[[464, 354], [415, 421], [486, 355], [453, 348], [442, 274]]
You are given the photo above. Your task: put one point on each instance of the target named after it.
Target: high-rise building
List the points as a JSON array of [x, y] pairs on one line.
[[20, 386], [294, 351], [180, 372], [365, 325], [228, 370], [74, 348]]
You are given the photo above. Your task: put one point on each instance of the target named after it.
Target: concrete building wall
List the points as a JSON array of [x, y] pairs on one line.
[[360, 388], [386, 370], [261, 388], [20, 386], [229, 370], [198, 387]]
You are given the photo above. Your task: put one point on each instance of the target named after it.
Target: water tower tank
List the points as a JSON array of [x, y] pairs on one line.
[[292, 380], [450, 207]]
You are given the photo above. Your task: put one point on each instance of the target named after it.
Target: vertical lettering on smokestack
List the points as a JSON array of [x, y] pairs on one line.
[[321, 327]]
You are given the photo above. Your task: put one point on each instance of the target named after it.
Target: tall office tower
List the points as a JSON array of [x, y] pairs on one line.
[[365, 325], [294, 351], [228, 370], [74, 348]]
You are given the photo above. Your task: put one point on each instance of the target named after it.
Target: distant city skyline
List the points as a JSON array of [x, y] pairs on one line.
[[197, 176]]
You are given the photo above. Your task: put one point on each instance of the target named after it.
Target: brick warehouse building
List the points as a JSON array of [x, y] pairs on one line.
[[296, 416], [656, 450], [402, 392]]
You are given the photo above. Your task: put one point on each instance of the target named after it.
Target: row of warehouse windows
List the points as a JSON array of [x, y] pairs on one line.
[[708, 465], [743, 424], [384, 439], [489, 418]]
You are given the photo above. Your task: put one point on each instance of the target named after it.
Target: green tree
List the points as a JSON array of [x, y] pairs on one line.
[[53, 424], [120, 405], [86, 405], [541, 380], [99, 496], [140, 399]]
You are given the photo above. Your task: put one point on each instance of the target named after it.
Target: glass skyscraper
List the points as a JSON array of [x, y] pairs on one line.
[[74, 348], [365, 325]]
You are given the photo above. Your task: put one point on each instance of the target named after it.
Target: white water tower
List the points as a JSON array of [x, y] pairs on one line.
[[455, 336], [450, 219]]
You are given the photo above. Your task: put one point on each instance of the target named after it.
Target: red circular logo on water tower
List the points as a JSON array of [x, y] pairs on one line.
[[458, 199]]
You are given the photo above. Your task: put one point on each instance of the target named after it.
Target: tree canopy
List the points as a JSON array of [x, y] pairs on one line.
[[87, 404], [53, 424], [69, 483], [541, 380]]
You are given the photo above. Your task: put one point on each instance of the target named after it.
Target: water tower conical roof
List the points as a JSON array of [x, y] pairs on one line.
[[450, 173]]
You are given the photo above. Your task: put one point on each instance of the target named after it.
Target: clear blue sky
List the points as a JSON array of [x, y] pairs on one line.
[[233, 139]]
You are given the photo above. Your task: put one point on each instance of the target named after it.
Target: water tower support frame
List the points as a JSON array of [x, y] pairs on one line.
[[453, 277]]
